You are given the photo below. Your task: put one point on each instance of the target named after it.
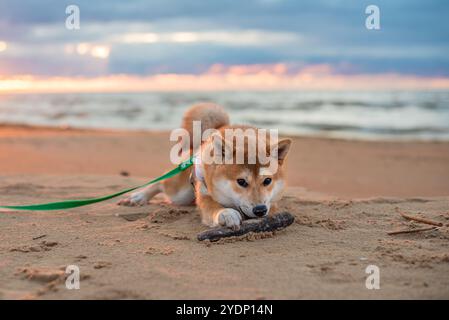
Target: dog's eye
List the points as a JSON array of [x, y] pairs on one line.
[[242, 183], [267, 181]]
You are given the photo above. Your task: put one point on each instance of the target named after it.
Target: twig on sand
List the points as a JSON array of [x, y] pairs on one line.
[[411, 230], [271, 223], [419, 219], [40, 237]]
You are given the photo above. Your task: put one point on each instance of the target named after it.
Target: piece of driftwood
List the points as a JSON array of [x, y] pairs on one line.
[[267, 224], [411, 230], [419, 219]]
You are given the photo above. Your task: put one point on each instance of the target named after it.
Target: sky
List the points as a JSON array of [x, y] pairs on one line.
[[222, 44]]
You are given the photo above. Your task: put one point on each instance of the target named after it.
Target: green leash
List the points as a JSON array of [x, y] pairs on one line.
[[68, 204]]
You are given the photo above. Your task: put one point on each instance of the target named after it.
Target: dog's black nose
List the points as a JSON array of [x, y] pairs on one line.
[[260, 210]]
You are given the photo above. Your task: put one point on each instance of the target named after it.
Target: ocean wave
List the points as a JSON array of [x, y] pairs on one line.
[[356, 115]]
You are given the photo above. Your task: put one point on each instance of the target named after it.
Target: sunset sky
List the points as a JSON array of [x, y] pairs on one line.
[[215, 45]]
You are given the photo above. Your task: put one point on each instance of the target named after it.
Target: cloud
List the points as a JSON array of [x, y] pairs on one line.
[[223, 37], [172, 36], [235, 78]]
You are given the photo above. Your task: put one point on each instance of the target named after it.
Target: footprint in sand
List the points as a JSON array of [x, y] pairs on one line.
[[162, 251], [133, 216], [43, 246], [52, 279], [102, 264], [42, 275]]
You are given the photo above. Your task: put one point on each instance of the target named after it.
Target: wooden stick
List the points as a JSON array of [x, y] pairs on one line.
[[267, 224], [411, 230], [419, 219], [39, 237]]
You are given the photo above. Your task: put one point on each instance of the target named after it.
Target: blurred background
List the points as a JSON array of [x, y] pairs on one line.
[[303, 67]]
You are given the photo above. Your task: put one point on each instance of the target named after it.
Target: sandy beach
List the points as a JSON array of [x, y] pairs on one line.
[[345, 196]]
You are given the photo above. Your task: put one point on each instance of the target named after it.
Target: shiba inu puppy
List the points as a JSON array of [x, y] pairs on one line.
[[226, 191]]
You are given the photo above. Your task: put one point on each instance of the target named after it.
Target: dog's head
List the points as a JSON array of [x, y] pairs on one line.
[[249, 187]]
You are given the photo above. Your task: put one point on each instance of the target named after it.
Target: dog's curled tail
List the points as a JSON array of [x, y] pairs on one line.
[[211, 115]]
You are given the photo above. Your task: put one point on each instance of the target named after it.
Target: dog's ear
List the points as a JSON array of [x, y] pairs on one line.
[[282, 148], [221, 144]]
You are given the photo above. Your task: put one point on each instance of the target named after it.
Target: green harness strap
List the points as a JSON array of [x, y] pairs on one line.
[[68, 204]]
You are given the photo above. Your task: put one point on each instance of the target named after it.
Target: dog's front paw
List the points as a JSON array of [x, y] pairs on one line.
[[229, 218], [134, 199]]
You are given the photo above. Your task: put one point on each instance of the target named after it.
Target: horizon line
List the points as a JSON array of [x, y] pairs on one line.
[[261, 80]]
